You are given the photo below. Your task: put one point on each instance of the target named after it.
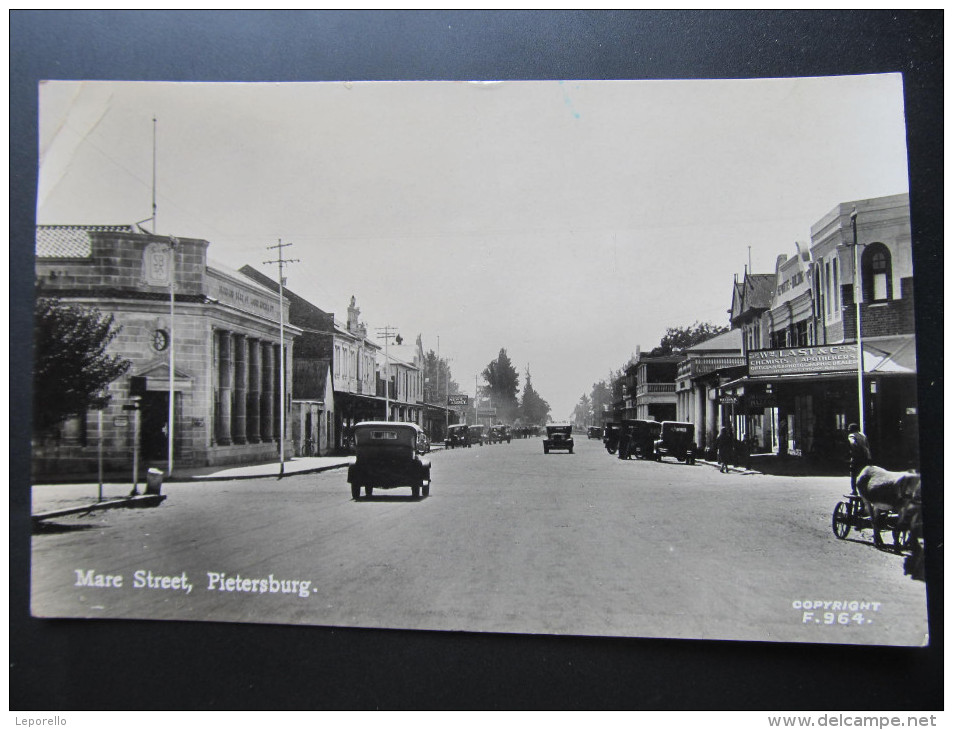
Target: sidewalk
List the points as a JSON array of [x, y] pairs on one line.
[[62, 498]]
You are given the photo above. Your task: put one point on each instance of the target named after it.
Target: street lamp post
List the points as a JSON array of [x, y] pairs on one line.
[[858, 297]]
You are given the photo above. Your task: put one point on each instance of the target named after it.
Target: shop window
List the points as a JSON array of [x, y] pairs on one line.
[[877, 274]]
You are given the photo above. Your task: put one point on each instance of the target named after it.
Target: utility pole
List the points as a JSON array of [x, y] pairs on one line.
[[281, 261], [858, 297], [386, 332], [173, 244]]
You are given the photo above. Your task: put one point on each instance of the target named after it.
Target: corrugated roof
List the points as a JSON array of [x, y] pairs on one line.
[[730, 340], [69, 242]]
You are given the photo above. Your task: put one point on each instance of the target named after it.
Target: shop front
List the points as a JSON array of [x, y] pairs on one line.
[[800, 401]]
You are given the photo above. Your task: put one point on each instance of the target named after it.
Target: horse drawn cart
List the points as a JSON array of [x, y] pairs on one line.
[[851, 513]]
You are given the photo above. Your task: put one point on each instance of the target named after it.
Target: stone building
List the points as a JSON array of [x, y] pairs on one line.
[[222, 331]]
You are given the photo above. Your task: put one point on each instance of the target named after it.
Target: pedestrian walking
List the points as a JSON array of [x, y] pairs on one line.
[[723, 446], [859, 453]]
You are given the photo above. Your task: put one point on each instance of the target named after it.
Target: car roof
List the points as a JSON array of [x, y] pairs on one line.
[[387, 424], [558, 425]]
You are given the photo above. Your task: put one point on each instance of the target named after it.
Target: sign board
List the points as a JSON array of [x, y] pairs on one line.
[[458, 400], [757, 402], [728, 400], [794, 360], [486, 411]]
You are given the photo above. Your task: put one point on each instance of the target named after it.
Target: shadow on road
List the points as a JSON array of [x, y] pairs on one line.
[[56, 528]]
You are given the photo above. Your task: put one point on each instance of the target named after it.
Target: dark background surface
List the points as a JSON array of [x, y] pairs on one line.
[[103, 665]]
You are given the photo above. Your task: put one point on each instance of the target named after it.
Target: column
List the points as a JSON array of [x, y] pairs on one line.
[[276, 390], [267, 392], [223, 420], [253, 414], [241, 389]]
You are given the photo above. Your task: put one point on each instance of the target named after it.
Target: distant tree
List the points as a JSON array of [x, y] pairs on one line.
[[600, 401], [533, 409], [503, 384], [438, 381], [71, 369], [582, 413], [677, 339]]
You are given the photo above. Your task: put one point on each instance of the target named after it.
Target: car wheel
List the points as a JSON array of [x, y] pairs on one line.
[[368, 491], [355, 491], [545, 449], [425, 490], [570, 449], [415, 491]]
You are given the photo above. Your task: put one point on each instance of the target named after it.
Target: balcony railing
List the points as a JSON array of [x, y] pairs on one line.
[[653, 388], [702, 365]]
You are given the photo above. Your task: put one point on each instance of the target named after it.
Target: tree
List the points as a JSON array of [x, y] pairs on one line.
[[677, 339], [438, 381], [582, 413], [71, 369], [600, 400], [503, 384], [534, 411]]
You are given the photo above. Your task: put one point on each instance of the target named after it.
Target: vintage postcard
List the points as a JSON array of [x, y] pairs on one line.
[[596, 358]]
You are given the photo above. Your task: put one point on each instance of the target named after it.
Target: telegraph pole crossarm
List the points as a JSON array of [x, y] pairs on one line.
[[281, 261]]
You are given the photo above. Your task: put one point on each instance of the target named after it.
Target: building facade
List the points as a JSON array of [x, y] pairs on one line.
[[806, 394], [216, 347]]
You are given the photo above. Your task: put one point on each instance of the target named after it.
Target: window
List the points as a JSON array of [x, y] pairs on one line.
[[876, 270]]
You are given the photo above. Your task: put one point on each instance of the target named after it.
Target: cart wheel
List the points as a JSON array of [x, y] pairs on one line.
[[901, 538], [355, 490], [415, 491], [368, 490], [841, 519], [426, 489]]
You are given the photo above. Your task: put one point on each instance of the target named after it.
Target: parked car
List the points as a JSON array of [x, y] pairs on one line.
[[610, 437], [457, 435], [558, 436], [387, 457], [676, 439], [637, 438], [594, 432], [477, 434]]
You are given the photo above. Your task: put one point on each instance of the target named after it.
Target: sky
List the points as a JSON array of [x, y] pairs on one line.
[[567, 222]]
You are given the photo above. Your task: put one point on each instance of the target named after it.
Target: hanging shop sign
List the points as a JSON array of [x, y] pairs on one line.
[[797, 360]]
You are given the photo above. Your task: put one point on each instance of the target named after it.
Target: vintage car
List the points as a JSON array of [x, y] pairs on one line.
[[594, 432], [610, 437], [477, 434], [500, 433], [387, 457], [559, 437], [637, 438], [457, 435], [676, 439]]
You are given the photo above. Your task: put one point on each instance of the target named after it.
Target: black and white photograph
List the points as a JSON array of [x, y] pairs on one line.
[[621, 359], [534, 357]]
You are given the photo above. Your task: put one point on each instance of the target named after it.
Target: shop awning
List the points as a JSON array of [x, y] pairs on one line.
[[882, 356]]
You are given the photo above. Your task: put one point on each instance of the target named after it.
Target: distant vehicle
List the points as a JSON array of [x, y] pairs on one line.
[[610, 437], [676, 439], [559, 437], [499, 433], [457, 435], [638, 439], [477, 434], [387, 457], [594, 432], [423, 443]]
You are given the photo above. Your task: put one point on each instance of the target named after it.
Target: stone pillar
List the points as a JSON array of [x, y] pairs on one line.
[[267, 394], [241, 388], [223, 418], [253, 413]]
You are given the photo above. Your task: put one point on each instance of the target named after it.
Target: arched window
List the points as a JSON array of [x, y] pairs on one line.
[[876, 268]]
